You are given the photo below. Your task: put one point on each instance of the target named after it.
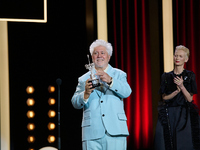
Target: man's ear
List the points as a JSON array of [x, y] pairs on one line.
[[109, 58]]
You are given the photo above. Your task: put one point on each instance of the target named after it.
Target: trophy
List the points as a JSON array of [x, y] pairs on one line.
[[93, 79]]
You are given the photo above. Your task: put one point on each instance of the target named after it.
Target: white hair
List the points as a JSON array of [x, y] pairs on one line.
[[97, 43]]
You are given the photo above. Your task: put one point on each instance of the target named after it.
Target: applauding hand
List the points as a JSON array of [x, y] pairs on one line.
[[178, 81]]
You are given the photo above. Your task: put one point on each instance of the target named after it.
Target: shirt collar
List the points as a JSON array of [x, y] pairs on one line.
[[105, 70]]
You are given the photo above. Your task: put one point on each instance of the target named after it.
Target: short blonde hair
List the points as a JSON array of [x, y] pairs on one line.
[[185, 49]]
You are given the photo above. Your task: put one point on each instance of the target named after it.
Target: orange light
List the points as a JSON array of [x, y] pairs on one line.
[[30, 114], [51, 138], [30, 126], [51, 101], [51, 113], [51, 89], [31, 149], [30, 102], [51, 126], [30, 89], [31, 139]]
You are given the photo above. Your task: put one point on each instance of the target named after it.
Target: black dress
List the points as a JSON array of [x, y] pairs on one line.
[[178, 120]]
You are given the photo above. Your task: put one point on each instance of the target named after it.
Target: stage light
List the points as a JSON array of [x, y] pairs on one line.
[[30, 102], [51, 113], [30, 126], [31, 139], [30, 89], [31, 149], [30, 114], [51, 101], [51, 138], [51, 89], [51, 126]]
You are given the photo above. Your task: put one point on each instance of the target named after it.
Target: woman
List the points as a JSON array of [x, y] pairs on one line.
[[178, 120]]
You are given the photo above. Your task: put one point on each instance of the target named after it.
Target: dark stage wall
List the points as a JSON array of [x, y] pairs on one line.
[[39, 53]]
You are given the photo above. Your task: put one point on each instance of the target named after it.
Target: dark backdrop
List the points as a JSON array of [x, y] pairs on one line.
[[39, 53]]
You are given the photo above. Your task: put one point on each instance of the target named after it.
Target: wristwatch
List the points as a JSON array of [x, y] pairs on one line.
[[110, 82]]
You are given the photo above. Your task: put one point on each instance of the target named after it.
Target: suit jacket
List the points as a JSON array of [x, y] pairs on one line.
[[104, 110]]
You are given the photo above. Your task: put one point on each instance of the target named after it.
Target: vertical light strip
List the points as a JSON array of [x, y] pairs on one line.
[[45, 10], [102, 20], [167, 35], [4, 89]]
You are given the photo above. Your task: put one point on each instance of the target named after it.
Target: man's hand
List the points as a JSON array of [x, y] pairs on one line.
[[88, 89], [104, 76]]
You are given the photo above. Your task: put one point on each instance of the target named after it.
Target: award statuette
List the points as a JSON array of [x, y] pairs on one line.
[[93, 78]]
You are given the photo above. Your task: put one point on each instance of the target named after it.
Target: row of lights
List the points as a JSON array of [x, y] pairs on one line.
[[31, 114]]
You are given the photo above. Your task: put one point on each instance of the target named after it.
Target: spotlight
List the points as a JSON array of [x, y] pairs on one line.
[[30, 114], [51, 113], [30, 89], [51, 138], [31, 149], [31, 139], [51, 101], [51, 126], [51, 89], [30, 126], [30, 102]]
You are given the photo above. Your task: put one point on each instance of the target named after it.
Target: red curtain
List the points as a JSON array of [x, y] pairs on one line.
[[129, 34], [187, 33]]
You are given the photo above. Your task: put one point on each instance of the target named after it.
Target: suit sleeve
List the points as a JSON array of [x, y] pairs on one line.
[[120, 86], [78, 97]]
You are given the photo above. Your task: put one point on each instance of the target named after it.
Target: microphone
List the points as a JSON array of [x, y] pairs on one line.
[[58, 81]]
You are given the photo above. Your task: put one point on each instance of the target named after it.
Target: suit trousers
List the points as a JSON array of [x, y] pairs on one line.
[[107, 142]]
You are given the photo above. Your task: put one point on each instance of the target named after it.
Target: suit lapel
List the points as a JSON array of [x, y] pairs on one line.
[[109, 71]]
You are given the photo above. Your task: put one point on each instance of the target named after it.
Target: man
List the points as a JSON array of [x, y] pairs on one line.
[[104, 121]]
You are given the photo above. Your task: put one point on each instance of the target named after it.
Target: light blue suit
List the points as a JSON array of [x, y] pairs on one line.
[[104, 110]]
